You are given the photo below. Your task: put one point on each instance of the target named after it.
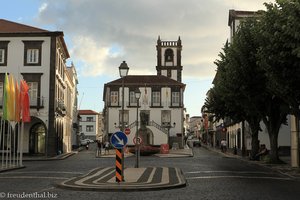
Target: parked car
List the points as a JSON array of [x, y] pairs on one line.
[[193, 141], [86, 141]]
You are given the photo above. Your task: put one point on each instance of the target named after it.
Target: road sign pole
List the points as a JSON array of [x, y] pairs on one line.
[[119, 168], [119, 141]]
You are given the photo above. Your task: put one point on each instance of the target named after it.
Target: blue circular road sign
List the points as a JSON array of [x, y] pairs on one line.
[[118, 140]]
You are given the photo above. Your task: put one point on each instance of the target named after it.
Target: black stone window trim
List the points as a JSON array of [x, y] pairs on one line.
[[3, 46], [33, 44], [35, 77]]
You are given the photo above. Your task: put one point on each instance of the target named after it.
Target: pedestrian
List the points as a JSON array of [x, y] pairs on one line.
[[223, 145], [262, 152], [99, 149], [106, 147]]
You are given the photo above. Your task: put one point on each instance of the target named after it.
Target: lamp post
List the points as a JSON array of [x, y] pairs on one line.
[[137, 145], [169, 127], [123, 70]]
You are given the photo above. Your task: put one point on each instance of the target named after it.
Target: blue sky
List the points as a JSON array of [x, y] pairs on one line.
[[100, 34]]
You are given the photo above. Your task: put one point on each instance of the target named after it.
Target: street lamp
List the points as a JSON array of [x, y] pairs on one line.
[[169, 126], [137, 93], [123, 70]]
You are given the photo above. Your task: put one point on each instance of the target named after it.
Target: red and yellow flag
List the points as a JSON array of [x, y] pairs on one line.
[[11, 99], [25, 104], [15, 100], [17, 103]]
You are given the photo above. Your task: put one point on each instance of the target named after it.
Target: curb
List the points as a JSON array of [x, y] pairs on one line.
[[59, 157], [12, 168], [284, 169], [141, 179]]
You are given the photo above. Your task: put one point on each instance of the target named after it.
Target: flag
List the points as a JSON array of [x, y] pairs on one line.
[[5, 97], [17, 102], [11, 99], [25, 105]]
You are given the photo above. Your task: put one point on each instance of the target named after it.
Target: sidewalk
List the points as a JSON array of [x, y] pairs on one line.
[[187, 152], [38, 158], [44, 158], [284, 168]]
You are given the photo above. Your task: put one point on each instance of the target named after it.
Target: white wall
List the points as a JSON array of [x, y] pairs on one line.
[[155, 115], [284, 136], [15, 66], [84, 123]]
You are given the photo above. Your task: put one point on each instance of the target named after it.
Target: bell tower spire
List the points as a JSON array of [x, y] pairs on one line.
[[169, 58]]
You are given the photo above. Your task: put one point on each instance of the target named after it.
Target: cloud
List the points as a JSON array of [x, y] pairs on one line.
[[93, 56], [104, 33], [42, 8], [100, 34]]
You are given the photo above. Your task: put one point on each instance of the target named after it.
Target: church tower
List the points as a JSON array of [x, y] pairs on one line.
[[169, 58]]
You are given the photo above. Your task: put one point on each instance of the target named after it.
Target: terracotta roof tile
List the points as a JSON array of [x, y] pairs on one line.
[[148, 80], [13, 27], [87, 112]]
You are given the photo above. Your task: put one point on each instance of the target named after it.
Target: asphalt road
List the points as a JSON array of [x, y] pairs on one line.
[[209, 175]]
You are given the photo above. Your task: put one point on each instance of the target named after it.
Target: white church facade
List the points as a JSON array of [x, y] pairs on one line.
[[160, 108]]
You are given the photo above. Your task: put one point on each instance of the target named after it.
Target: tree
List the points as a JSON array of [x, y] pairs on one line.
[[229, 97], [242, 85], [279, 53]]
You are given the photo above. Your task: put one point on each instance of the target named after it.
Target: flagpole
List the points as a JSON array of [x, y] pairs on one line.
[[14, 141], [3, 142], [1, 129], [7, 142], [21, 146], [18, 144], [10, 152]]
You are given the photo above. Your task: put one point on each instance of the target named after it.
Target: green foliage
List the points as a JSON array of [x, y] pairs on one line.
[[279, 53], [258, 74]]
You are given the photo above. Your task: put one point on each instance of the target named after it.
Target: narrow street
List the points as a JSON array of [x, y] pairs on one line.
[[209, 175]]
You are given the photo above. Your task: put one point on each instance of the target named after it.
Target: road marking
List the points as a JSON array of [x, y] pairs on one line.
[[245, 177], [33, 177], [235, 172], [43, 172]]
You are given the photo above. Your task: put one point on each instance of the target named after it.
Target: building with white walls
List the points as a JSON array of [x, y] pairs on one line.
[[161, 105], [89, 124], [39, 57]]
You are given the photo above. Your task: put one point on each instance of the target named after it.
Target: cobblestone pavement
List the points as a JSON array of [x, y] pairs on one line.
[[208, 174], [150, 178]]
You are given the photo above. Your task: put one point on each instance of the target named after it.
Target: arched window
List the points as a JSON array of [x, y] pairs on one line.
[[169, 55]]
